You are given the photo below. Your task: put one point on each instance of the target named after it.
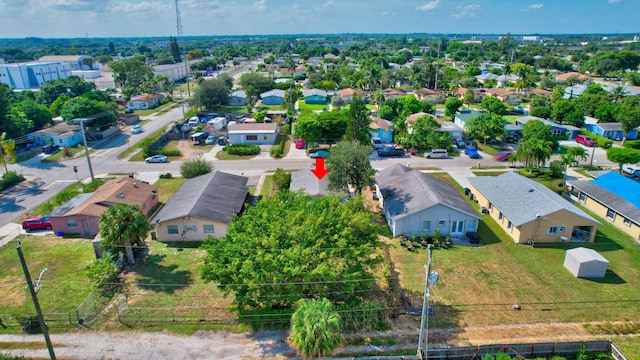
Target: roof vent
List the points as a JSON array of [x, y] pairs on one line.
[[121, 195]]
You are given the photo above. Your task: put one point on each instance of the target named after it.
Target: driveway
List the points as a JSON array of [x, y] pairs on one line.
[[294, 153]]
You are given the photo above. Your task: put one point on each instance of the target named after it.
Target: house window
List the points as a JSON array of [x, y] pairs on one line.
[[441, 222], [509, 225], [611, 214], [60, 141], [426, 225], [490, 206], [471, 225], [555, 132], [252, 137], [265, 137], [72, 223], [626, 221], [582, 197], [208, 229], [500, 217], [172, 229], [553, 230]]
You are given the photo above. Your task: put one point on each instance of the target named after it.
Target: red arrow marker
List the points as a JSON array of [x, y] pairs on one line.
[[320, 171]]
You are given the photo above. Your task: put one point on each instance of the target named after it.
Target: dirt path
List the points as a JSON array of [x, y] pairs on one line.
[[89, 345]]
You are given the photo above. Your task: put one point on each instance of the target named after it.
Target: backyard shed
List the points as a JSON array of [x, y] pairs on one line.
[[585, 263]]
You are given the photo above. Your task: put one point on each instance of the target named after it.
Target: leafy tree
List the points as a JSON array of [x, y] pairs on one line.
[[82, 107], [493, 105], [540, 106], [281, 179], [313, 246], [485, 126], [307, 128], [358, 124], [420, 131], [7, 148], [629, 118], [260, 115], [104, 59], [123, 226], [469, 97], [451, 106], [257, 81], [606, 112], [350, 166], [35, 112], [131, 73], [536, 129], [623, 156], [557, 93], [213, 93], [16, 123], [56, 107], [195, 167], [315, 328], [565, 112]]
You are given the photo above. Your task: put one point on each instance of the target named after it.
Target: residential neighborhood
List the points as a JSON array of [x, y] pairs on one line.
[[264, 184]]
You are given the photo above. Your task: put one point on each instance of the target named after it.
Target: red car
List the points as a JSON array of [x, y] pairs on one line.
[[36, 223], [585, 140], [502, 155], [299, 144]]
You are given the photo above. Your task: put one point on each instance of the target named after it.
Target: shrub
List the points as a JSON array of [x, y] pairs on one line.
[[604, 142], [557, 169], [9, 179], [102, 271], [166, 176], [242, 149], [633, 144], [281, 179], [195, 167]]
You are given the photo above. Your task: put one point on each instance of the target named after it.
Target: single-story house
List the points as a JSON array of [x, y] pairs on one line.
[[501, 80], [81, 214], [253, 133], [478, 94], [390, 94], [445, 126], [614, 197], [574, 91], [585, 263], [309, 183], [61, 134], [144, 101], [315, 96], [347, 94], [416, 203], [381, 128], [556, 129], [203, 206], [238, 98], [506, 96], [530, 212], [432, 96], [541, 92], [611, 130], [464, 115], [272, 97]]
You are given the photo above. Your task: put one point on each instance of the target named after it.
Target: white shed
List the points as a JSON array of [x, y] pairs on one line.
[[585, 263]]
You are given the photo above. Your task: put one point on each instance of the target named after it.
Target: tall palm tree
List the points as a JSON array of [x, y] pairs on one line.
[[618, 93], [567, 160], [577, 153], [315, 328], [7, 149], [534, 152], [123, 226]]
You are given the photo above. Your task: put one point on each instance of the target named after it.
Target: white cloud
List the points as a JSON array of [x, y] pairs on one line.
[[387, 13], [143, 6], [614, 1], [465, 11], [431, 5], [260, 5], [326, 6], [532, 7]]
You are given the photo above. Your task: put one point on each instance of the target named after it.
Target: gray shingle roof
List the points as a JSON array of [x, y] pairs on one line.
[[215, 196], [307, 182], [64, 209], [406, 191], [609, 199], [520, 199]]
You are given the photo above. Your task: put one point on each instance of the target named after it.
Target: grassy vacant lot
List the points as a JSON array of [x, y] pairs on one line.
[[311, 107], [479, 285]]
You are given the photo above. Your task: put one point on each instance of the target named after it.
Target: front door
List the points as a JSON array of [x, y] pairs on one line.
[[457, 227]]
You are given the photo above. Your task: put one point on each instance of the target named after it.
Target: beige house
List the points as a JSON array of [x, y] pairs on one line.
[[203, 206], [505, 95], [529, 212], [432, 96], [614, 197]]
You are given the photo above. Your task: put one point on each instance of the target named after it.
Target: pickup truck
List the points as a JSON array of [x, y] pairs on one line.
[[390, 151]]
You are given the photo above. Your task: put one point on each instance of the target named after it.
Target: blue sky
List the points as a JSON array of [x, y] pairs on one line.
[[122, 18]]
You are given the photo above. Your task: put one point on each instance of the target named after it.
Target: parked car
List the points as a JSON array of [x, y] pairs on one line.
[[460, 144], [471, 144], [299, 144], [194, 121], [390, 151], [437, 154], [585, 140], [156, 159], [50, 149], [502, 155], [320, 154], [36, 223], [376, 143], [211, 140], [136, 129], [128, 111], [472, 152], [631, 170]]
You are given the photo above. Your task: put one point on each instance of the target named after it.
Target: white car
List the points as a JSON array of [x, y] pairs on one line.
[[631, 170], [136, 129]]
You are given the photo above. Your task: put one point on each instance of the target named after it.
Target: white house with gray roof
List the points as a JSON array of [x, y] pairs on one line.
[[416, 203], [529, 211], [253, 133], [203, 206]]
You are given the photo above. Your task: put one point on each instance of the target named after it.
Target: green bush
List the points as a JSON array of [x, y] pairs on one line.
[[161, 151], [281, 179], [557, 169], [242, 149], [102, 271], [9, 179], [195, 167], [633, 144], [166, 176], [604, 142]]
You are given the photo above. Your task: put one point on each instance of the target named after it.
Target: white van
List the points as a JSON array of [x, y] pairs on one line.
[[376, 143], [437, 154], [193, 121]]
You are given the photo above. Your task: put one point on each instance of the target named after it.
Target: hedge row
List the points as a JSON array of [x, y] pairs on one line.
[[9, 179], [242, 149]]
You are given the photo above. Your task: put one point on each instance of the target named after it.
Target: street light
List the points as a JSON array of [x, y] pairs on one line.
[[431, 278]]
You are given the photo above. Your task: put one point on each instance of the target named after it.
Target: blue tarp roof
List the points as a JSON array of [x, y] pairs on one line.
[[620, 185]]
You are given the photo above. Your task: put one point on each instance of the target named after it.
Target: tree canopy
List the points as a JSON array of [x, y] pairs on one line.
[[257, 81], [123, 226], [493, 105], [330, 125], [131, 73], [623, 156], [349, 164], [358, 123], [313, 247], [212, 94], [485, 126], [451, 105]]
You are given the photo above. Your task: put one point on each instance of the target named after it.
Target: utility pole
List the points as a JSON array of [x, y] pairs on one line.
[[431, 278], [36, 304], [186, 67], [593, 151], [84, 136]]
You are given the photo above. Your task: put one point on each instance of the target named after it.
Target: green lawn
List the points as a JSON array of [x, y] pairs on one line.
[[478, 285], [223, 155], [159, 109], [311, 107]]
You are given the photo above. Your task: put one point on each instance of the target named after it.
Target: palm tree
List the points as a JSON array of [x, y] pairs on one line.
[[7, 149], [123, 226], [618, 93], [577, 153], [315, 328], [567, 160], [534, 152]]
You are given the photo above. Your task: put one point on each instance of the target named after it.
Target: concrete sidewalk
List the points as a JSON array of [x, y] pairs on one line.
[[9, 232]]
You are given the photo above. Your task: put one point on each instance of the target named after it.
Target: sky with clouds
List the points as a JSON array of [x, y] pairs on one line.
[[134, 18]]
